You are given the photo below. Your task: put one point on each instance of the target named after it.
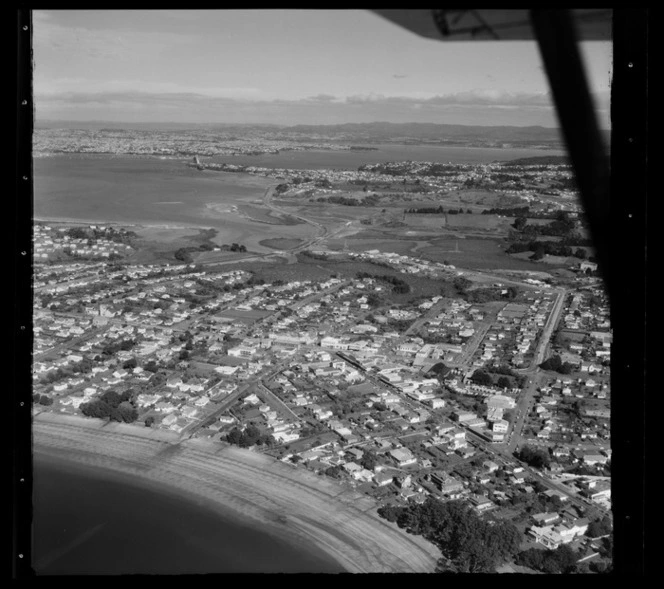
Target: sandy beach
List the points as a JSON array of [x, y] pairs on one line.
[[293, 504]]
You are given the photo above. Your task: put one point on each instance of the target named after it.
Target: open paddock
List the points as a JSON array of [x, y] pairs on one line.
[[305, 269], [253, 315], [475, 254], [475, 221]]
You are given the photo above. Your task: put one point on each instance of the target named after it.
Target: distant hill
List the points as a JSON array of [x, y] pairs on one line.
[[545, 160]]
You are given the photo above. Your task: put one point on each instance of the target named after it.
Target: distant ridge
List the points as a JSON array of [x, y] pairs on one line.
[[373, 127], [544, 160]]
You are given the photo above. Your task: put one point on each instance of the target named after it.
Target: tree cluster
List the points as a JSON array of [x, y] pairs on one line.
[[114, 347], [251, 436], [505, 370], [556, 364], [509, 211], [467, 542], [561, 560], [112, 405], [368, 201], [425, 210], [533, 456], [482, 377], [439, 370], [236, 247], [540, 248], [182, 254]]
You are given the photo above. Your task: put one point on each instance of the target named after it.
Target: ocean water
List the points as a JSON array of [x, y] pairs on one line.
[[351, 160], [89, 522], [133, 189], [153, 190]]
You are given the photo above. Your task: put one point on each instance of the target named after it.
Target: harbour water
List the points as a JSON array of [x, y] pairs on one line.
[[87, 521]]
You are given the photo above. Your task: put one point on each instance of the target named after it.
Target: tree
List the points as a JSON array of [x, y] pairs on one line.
[[599, 567], [130, 364], [373, 300], [566, 558], [534, 457], [504, 382], [369, 460], [112, 398], [234, 436], [333, 471], [127, 412], [127, 395], [389, 512], [519, 223], [552, 363], [538, 255], [600, 527], [151, 366], [482, 378], [96, 408], [440, 370], [149, 421]]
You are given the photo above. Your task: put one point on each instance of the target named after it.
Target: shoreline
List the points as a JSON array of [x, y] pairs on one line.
[[70, 221], [297, 506]]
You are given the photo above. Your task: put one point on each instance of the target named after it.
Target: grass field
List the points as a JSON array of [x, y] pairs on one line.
[[252, 315], [287, 272], [475, 254]]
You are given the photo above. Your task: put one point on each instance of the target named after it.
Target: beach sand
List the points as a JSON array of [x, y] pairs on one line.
[[295, 505]]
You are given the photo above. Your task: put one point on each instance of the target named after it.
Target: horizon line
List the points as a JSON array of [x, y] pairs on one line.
[[245, 124]]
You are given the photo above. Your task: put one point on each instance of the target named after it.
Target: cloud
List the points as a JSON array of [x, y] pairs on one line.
[[55, 35], [67, 87]]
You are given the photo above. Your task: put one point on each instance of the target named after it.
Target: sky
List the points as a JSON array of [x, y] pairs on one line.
[[286, 67]]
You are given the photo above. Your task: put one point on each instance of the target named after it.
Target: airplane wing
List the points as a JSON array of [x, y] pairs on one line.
[[556, 32], [487, 24]]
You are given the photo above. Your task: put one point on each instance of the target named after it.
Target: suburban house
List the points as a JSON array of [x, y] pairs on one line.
[[403, 456]]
